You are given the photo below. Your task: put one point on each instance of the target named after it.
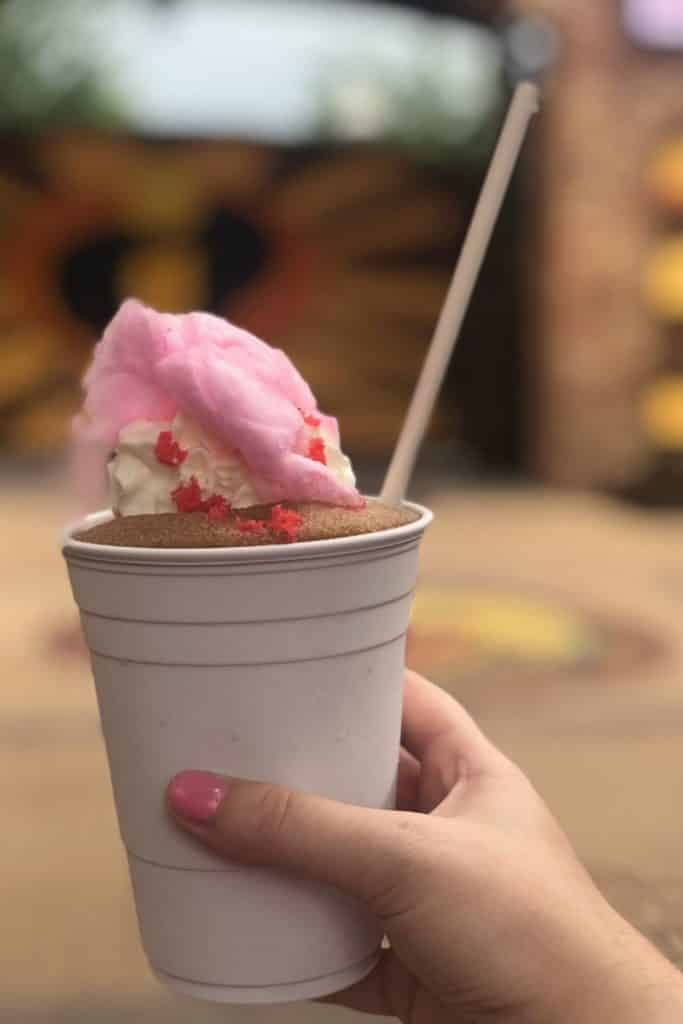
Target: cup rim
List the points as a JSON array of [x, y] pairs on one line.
[[391, 537]]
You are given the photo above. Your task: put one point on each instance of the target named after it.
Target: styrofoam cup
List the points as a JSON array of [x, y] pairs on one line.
[[279, 663]]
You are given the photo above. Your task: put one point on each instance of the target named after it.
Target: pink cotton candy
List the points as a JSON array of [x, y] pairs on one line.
[[242, 392]]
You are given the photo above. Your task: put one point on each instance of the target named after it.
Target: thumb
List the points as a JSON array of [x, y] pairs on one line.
[[365, 852]]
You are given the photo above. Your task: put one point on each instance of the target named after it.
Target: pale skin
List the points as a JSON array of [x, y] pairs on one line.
[[488, 911]]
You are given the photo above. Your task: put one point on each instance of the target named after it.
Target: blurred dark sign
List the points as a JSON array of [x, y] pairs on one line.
[[339, 255]]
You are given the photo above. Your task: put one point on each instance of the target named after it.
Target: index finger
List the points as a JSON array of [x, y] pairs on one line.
[[430, 714]]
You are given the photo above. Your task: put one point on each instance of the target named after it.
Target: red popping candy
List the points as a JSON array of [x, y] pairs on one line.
[[188, 496], [249, 525], [168, 451], [316, 450], [285, 521], [216, 507]]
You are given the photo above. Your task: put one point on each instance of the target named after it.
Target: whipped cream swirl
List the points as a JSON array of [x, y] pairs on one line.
[[141, 483]]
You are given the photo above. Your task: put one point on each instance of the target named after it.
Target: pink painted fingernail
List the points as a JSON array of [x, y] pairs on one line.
[[196, 795]]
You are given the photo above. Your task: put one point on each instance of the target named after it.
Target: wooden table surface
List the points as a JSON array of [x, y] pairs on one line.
[[555, 618]]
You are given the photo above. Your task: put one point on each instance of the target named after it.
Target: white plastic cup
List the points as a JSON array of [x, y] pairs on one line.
[[280, 663]]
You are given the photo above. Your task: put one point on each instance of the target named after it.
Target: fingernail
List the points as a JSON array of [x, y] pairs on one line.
[[196, 795]]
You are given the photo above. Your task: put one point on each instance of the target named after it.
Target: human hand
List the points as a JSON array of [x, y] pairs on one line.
[[489, 914]]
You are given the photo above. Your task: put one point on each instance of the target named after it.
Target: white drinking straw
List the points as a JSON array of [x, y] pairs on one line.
[[524, 105]]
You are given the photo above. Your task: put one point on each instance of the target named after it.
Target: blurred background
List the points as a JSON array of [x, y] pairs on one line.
[[308, 169]]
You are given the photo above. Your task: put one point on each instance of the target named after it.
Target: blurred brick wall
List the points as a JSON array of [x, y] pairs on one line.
[[596, 348]]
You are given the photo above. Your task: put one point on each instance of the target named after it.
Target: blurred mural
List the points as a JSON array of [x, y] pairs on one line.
[[328, 224], [339, 256]]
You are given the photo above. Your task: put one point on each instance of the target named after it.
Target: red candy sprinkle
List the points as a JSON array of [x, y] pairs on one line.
[[188, 496], [285, 521], [169, 451], [316, 450], [216, 507], [250, 525], [311, 420]]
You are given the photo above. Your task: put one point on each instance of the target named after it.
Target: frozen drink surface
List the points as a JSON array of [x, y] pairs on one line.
[[196, 530]]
